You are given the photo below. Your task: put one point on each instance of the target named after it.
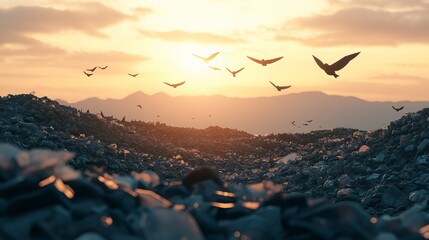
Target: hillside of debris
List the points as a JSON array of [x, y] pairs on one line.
[[384, 170]]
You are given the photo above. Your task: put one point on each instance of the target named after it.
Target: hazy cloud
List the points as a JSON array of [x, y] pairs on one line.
[[399, 79], [383, 3], [365, 23], [143, 11], [17, 23], [183, 36]]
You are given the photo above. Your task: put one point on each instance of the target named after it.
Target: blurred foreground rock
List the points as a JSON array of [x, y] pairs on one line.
[[41, 197]]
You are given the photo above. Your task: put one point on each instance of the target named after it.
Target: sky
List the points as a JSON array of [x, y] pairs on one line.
[[46, 44]]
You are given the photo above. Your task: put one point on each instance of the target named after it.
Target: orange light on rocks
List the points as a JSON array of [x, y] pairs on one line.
[[47, 181], [223, 205], [66, 189], [225, 194]]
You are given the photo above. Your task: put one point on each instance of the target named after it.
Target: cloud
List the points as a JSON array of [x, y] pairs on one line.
[[183, 36], [399, 79], [143, 11], [17, 23], [382, 3], [363, 25]]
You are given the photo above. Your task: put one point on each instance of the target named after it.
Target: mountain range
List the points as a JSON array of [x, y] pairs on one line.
[[259, 115]]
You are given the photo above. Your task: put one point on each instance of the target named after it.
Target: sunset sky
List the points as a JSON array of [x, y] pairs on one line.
[[46, 44]]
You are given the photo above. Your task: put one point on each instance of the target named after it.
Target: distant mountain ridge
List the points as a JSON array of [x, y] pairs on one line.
[[259, 115]]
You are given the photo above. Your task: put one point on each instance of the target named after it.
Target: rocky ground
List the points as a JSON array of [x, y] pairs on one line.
[[384, 171]]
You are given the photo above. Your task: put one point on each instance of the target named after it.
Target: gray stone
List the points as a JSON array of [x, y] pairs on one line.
[[409, 148], [422, 159], [423, 145], [379, 158], [328, 184], [344, 180], [344, 192], [394, 197], [373, 177], [405, 140]]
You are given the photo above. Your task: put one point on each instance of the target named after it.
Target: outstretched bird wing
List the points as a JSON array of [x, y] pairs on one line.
[[284, 87], [91, 69], [319, 63], [239, 70], [255, 60], [398, 109], [168, 84], [178, 84], [272, 60], [229, 70], [195, 55], [343, 61], [102, 67], [212, 56], [214, 68], [273, 84]]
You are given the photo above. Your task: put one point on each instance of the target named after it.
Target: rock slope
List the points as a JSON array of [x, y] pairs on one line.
[[384, 170]]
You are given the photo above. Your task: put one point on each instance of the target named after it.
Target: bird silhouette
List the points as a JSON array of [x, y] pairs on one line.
[[175, 85], [305, 124], [140, 106], [234, 72], [207, 59], [293, 123], [264, 62], [340, 64], [309, 121], [91, 69], [88, 74], [398, 109], [214, 68], [279, 88], [102, 67], [133, 75]]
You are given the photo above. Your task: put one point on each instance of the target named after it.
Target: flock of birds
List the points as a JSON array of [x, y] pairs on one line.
[[330, 69]]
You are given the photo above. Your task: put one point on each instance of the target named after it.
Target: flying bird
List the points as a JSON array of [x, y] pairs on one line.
[[293, 123], [264, 62], [175, 85], [340, 64], [140, 106], [133, 75], [309, 121], [398, 109], [91, 69], [305, 124], [207, 59], [279, 88], [234, 72], [214, 68], [88, 74], [102, 67]]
